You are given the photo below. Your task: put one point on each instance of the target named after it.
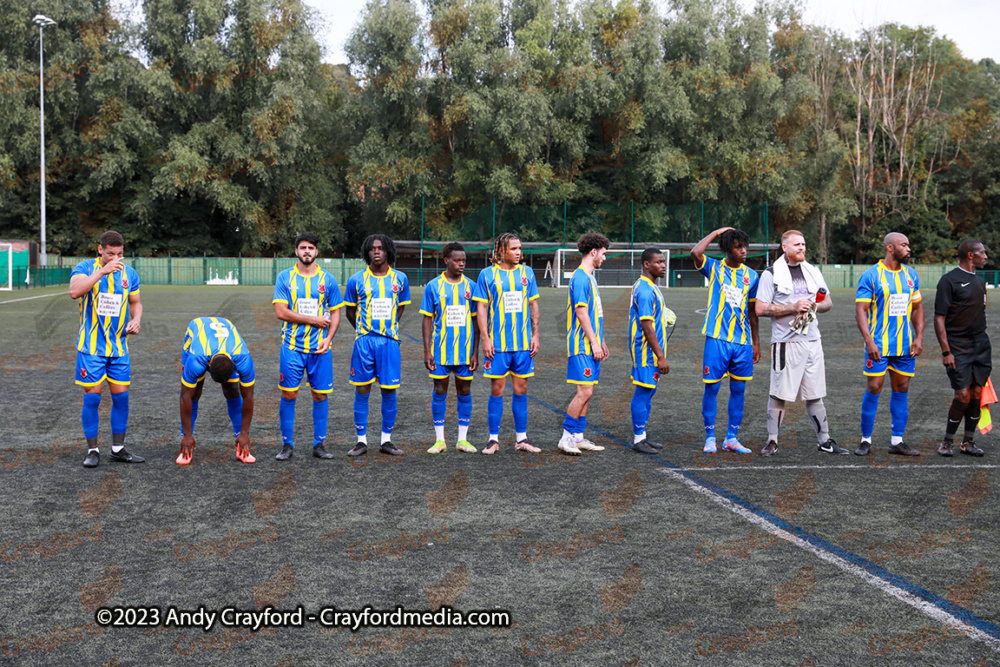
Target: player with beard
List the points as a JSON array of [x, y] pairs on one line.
[[307, 300], [890, 314]]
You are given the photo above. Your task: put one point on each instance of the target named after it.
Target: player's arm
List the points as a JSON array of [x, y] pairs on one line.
[[861, 317], [286, 314], [826, 304], [698, 251], [533, 308], [474, 361], [135, 310], [428, 329], [942, 335], [334, 319], [765, 309], [649, 333], [81, 283], [484, 335], [399, 313], [917, 317], [754, 332], [187, 440], [243, 439], [583, 317]]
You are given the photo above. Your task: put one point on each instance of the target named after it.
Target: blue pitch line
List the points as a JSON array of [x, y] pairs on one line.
[[899, 582]]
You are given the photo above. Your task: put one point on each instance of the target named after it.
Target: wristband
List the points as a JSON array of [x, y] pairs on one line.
[[946, 353]]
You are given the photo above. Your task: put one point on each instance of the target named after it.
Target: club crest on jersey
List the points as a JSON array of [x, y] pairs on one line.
[[352, 371], [124, 281], [83, 373], [395, 287], [281, 377], [524, 280], [468, 294], [487, 365], [868, 363], [656, 375], [322, 289], [587, 372], [746, 280], [909, 282], [706, 370]]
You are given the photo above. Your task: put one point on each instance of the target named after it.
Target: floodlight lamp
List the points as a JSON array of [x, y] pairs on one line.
[[42, 21]]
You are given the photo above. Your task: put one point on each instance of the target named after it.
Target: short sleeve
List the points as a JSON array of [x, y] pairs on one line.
[[84, 268], [754, 282], [482, 290], [427, 306], [579, 289], [281, 293], [942, 300], [532, 285], [645, 304], [765, 287], [708, 266], [244, 366], [333, 298], [917, 296], [404, 290], [133, 277], [351, 292], [865, 292]]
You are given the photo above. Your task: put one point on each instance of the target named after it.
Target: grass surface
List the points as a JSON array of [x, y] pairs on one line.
[[604, 559]]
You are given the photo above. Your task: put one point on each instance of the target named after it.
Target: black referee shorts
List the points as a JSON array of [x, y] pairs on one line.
[[973, 362]]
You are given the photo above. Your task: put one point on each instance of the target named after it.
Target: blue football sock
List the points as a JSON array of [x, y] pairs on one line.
[[194, 416], [737, 397], [709, 407], [465, 409], [649, 401], [569, 424], [361, 412], [388, 411], [119, 412], [640, 408], [321, 415], [494, 411], [439, 404], [900, 411], [234, 406], [519, 406], [286, 415], [89, 415], [869, 406], [581, 424]]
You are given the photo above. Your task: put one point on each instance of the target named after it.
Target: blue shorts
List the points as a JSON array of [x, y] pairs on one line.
[[519, 364], [723, 358], [646, 376], [582, 369], [318, 369], [906, 365], [376, 358], [441, 372], [93, 369]]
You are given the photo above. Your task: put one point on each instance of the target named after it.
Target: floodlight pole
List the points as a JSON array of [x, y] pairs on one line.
[[42, 22]]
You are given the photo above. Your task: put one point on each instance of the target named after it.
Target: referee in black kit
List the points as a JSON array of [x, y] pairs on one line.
[[960, 325]]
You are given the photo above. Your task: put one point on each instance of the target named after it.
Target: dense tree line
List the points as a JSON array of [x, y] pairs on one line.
[[214, 127]]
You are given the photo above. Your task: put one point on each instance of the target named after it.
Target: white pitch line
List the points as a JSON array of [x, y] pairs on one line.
[[922, 606], [939, 466], [29, 298]]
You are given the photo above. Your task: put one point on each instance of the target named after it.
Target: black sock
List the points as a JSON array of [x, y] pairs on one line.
[[955, 414]]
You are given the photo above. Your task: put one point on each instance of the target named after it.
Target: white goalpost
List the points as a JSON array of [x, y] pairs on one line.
[[621, 268], [6, 267]]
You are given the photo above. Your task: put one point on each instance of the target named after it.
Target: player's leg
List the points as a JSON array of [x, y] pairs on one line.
[[522, 368], [463, 391], [875, 373], [740, 369], [960, 378], [900, 371], [194, 403], [439, 406], [644, 385], [388, 372], [782, 369], [496, 369], [320, 374], [362, 376], [775, 414], [812, 390], [714, 368], [234, 404], [291, 366], [574, 414], [972, 416], [119, 370], [90, 374], [981, 365]]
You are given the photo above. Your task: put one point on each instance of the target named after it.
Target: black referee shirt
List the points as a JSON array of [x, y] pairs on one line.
[[961, 298]]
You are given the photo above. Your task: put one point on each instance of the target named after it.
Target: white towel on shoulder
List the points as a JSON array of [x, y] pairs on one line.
[[783, 277]]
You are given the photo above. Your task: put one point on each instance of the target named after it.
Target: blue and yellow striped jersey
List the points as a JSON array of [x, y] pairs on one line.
[[646, 304], [315, 295], [583, 292], [207, 337], [378, 299], [890, 296], [104, 311], [731, 293], [506, 295], [451, 306]]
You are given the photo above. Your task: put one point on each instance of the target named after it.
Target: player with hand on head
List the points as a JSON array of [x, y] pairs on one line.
[[110, 310], [585, 346], [966, 352], [505, 294], [307, 301], [375, 299], [732, 343], [649, 323], [213, 346], [890, 314], [792, 291], [451, 344]]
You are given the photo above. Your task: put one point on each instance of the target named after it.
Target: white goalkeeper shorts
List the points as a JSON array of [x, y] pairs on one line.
[[798, 370]]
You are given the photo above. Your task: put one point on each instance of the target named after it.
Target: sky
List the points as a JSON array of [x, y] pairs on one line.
[[968, 23]]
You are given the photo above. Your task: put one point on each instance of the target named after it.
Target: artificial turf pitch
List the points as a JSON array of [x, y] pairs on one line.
[[611, 558]]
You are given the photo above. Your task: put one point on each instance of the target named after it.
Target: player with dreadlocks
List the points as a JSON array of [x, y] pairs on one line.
[[505, 294], [732, 344], [374, 300]]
